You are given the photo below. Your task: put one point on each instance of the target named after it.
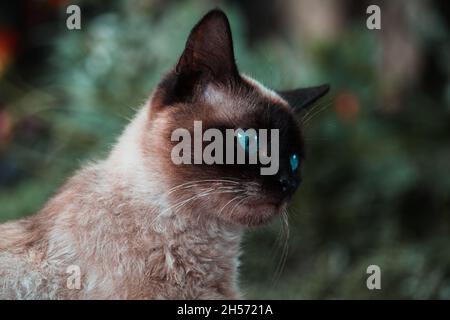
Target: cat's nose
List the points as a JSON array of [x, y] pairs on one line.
[[288, 185]]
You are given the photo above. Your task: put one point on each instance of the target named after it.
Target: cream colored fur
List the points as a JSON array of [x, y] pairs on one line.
[[107, 221]]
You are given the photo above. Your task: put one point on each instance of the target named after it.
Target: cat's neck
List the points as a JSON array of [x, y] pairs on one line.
[[190, 243], [126, 166]]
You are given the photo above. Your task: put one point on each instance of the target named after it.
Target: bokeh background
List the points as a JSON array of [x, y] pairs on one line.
[[377, 177]]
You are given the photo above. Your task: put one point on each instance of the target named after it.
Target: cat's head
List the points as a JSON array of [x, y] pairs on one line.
[[206, 86]]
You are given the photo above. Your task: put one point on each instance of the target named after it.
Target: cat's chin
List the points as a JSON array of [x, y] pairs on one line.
[[256, 214]]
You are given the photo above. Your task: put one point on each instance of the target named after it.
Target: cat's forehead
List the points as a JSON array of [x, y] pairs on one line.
[[250, 100], [250, 91], [264, 92]]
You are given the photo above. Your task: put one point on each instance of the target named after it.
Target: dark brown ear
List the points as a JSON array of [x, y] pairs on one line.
[[301, 98], [209, 50]]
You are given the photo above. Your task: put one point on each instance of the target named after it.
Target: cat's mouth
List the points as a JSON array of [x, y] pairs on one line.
[[257, 212], [276, 205], [236, 203]]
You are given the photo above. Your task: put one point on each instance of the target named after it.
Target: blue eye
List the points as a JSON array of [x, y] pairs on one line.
[[294, 162], [244, 141]]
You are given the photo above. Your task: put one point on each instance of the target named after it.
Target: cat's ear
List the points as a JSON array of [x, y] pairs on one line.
[[209, 50], [301, 98]]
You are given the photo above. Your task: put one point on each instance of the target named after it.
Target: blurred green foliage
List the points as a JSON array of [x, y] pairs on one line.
[[376, 187]]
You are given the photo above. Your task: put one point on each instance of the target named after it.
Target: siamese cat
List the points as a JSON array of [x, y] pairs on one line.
[[138, 226]]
